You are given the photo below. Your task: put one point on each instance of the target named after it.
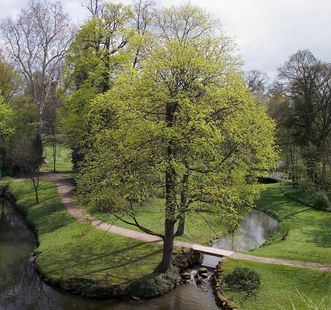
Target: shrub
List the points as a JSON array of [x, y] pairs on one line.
[[156, 285], [283, 230], [243, 280], [322, 201]]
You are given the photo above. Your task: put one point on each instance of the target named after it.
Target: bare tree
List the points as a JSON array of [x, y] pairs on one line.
[[36, 42], [143, 19], [256, 81], [95, 7]]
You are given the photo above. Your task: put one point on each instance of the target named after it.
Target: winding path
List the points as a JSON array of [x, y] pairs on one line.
[[65, 190]]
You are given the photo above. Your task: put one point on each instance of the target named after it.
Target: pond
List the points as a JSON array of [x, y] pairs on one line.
[[21, 288], [254, 230]]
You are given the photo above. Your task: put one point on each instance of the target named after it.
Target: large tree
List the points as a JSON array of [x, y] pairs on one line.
[[113, 39], [306, 82], [182, 124], [36, 42]]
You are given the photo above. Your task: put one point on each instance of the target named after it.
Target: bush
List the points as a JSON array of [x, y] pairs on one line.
[[322, 201], [283, 230], [156, 285], [243, 280]]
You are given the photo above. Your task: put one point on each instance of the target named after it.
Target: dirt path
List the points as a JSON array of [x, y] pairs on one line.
[[65, 190]]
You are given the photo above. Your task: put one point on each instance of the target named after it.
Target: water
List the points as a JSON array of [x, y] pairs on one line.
[[21, 288], [254, 230]]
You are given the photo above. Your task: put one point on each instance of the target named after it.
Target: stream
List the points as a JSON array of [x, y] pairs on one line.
[[253, 231]]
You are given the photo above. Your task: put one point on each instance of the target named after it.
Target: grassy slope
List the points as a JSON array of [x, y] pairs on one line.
[[280, 286], [152, 217], [310, 233], [69, 249]]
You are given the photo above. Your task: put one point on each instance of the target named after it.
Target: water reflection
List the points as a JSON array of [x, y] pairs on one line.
[[21, 288], [254, 230]]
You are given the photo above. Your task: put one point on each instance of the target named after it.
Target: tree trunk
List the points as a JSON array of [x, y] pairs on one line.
[[171, 199], [35, 181], [181, 226], [183, 205], [54, 156], [168, 244]]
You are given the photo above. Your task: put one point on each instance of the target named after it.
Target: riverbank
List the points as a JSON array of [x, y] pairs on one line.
[[309, 237], [80, 259]]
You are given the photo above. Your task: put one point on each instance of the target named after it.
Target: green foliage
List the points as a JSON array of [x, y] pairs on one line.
[[25, 153], [243, 279], [6, 121], [9, 80], [322, 201], [155, 285], [221, 135]]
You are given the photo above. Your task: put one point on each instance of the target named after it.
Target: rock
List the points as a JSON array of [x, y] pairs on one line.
[[184, 259], [186, 275], [203, 270], [32, 258], [204, 275]]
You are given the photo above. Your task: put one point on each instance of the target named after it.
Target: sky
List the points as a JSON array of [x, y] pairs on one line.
[[267, 32]]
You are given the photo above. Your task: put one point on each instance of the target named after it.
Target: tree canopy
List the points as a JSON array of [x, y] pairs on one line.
[[183, 125]]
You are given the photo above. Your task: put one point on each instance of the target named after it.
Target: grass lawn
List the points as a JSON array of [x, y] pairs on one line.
[[309, 237], [282, 286], [201, 227], [63, 160], [69, 249]]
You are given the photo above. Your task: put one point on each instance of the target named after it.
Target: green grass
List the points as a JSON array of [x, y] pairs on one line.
[[201, 227], [282, 286], [309, 237], [69, 249], [63, 160]]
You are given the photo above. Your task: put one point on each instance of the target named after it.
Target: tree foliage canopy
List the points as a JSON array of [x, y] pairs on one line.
[[182, 125]]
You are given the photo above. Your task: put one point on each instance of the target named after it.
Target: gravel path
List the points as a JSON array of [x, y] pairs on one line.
[[65, 190]]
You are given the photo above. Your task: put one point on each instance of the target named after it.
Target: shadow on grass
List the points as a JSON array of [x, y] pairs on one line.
[[291, 215], [322, 235], [130, 260]]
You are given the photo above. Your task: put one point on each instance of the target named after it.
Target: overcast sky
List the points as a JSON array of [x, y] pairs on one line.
[[267, 31]]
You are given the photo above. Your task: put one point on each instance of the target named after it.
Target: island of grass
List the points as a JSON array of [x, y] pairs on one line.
[[83, 259]]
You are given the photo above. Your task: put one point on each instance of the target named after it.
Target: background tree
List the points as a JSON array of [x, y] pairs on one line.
[[113, 40], [9, 80], [7, 130], [306, 82], [36, 43], [25, 151], [184, 124]]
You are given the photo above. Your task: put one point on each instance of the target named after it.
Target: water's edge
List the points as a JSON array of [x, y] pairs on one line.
[[78, 286]]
